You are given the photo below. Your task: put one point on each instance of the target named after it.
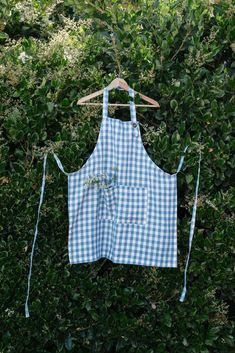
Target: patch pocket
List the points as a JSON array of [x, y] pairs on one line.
[[108, 203], [132, 205]]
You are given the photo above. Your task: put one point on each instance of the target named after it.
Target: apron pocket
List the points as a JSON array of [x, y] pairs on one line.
[[132, 204], [108, 203]]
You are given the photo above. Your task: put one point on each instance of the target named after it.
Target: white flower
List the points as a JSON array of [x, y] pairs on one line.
[[23, 57], [9, 312]]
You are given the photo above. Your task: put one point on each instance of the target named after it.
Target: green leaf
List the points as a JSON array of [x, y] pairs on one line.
[[177, 83], [175, 137], [185, 342], [58, 136], [34, 137], [189, 178], [88, 306], [167, 320], [43, 135], [50, 106], [3, 35], [65, 102], [173, 104], [158, 65]]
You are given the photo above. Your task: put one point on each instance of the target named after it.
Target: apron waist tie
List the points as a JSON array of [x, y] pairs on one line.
[[35, 234], [192, 224], [36, 228]]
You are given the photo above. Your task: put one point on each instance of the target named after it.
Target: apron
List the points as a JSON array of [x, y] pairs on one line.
[[121, 205]]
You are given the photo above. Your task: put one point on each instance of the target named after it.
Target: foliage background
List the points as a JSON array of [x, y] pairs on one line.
[[182, 54]]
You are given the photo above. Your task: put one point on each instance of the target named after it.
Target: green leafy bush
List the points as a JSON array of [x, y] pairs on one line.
[[181, 53]]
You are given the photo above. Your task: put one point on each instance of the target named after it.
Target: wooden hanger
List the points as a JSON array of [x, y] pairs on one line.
[[120, 84]]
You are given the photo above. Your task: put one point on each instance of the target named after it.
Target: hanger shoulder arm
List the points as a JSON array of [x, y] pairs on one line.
[[149, 100], [90, 96]]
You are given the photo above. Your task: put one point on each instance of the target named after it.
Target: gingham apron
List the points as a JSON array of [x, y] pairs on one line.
[[121, 205]]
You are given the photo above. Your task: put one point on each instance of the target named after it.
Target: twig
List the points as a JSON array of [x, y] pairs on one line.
[[181, 45], [116, 54]]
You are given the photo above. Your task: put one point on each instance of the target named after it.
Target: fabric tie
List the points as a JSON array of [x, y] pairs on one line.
[[192, 226], [35, 234]]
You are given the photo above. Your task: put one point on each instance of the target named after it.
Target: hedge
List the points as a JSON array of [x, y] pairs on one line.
[[180, 53]]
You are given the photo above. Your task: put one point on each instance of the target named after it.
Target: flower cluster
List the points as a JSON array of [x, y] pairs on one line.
[[102, 180], [29, 12]]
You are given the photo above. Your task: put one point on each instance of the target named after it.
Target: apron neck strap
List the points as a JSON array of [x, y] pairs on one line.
[[132, 105], [106, 101]]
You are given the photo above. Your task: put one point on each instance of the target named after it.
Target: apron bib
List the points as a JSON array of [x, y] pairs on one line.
[[121, 205]]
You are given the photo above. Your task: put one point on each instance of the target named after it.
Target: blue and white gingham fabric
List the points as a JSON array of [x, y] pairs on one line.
[[121, 205]]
